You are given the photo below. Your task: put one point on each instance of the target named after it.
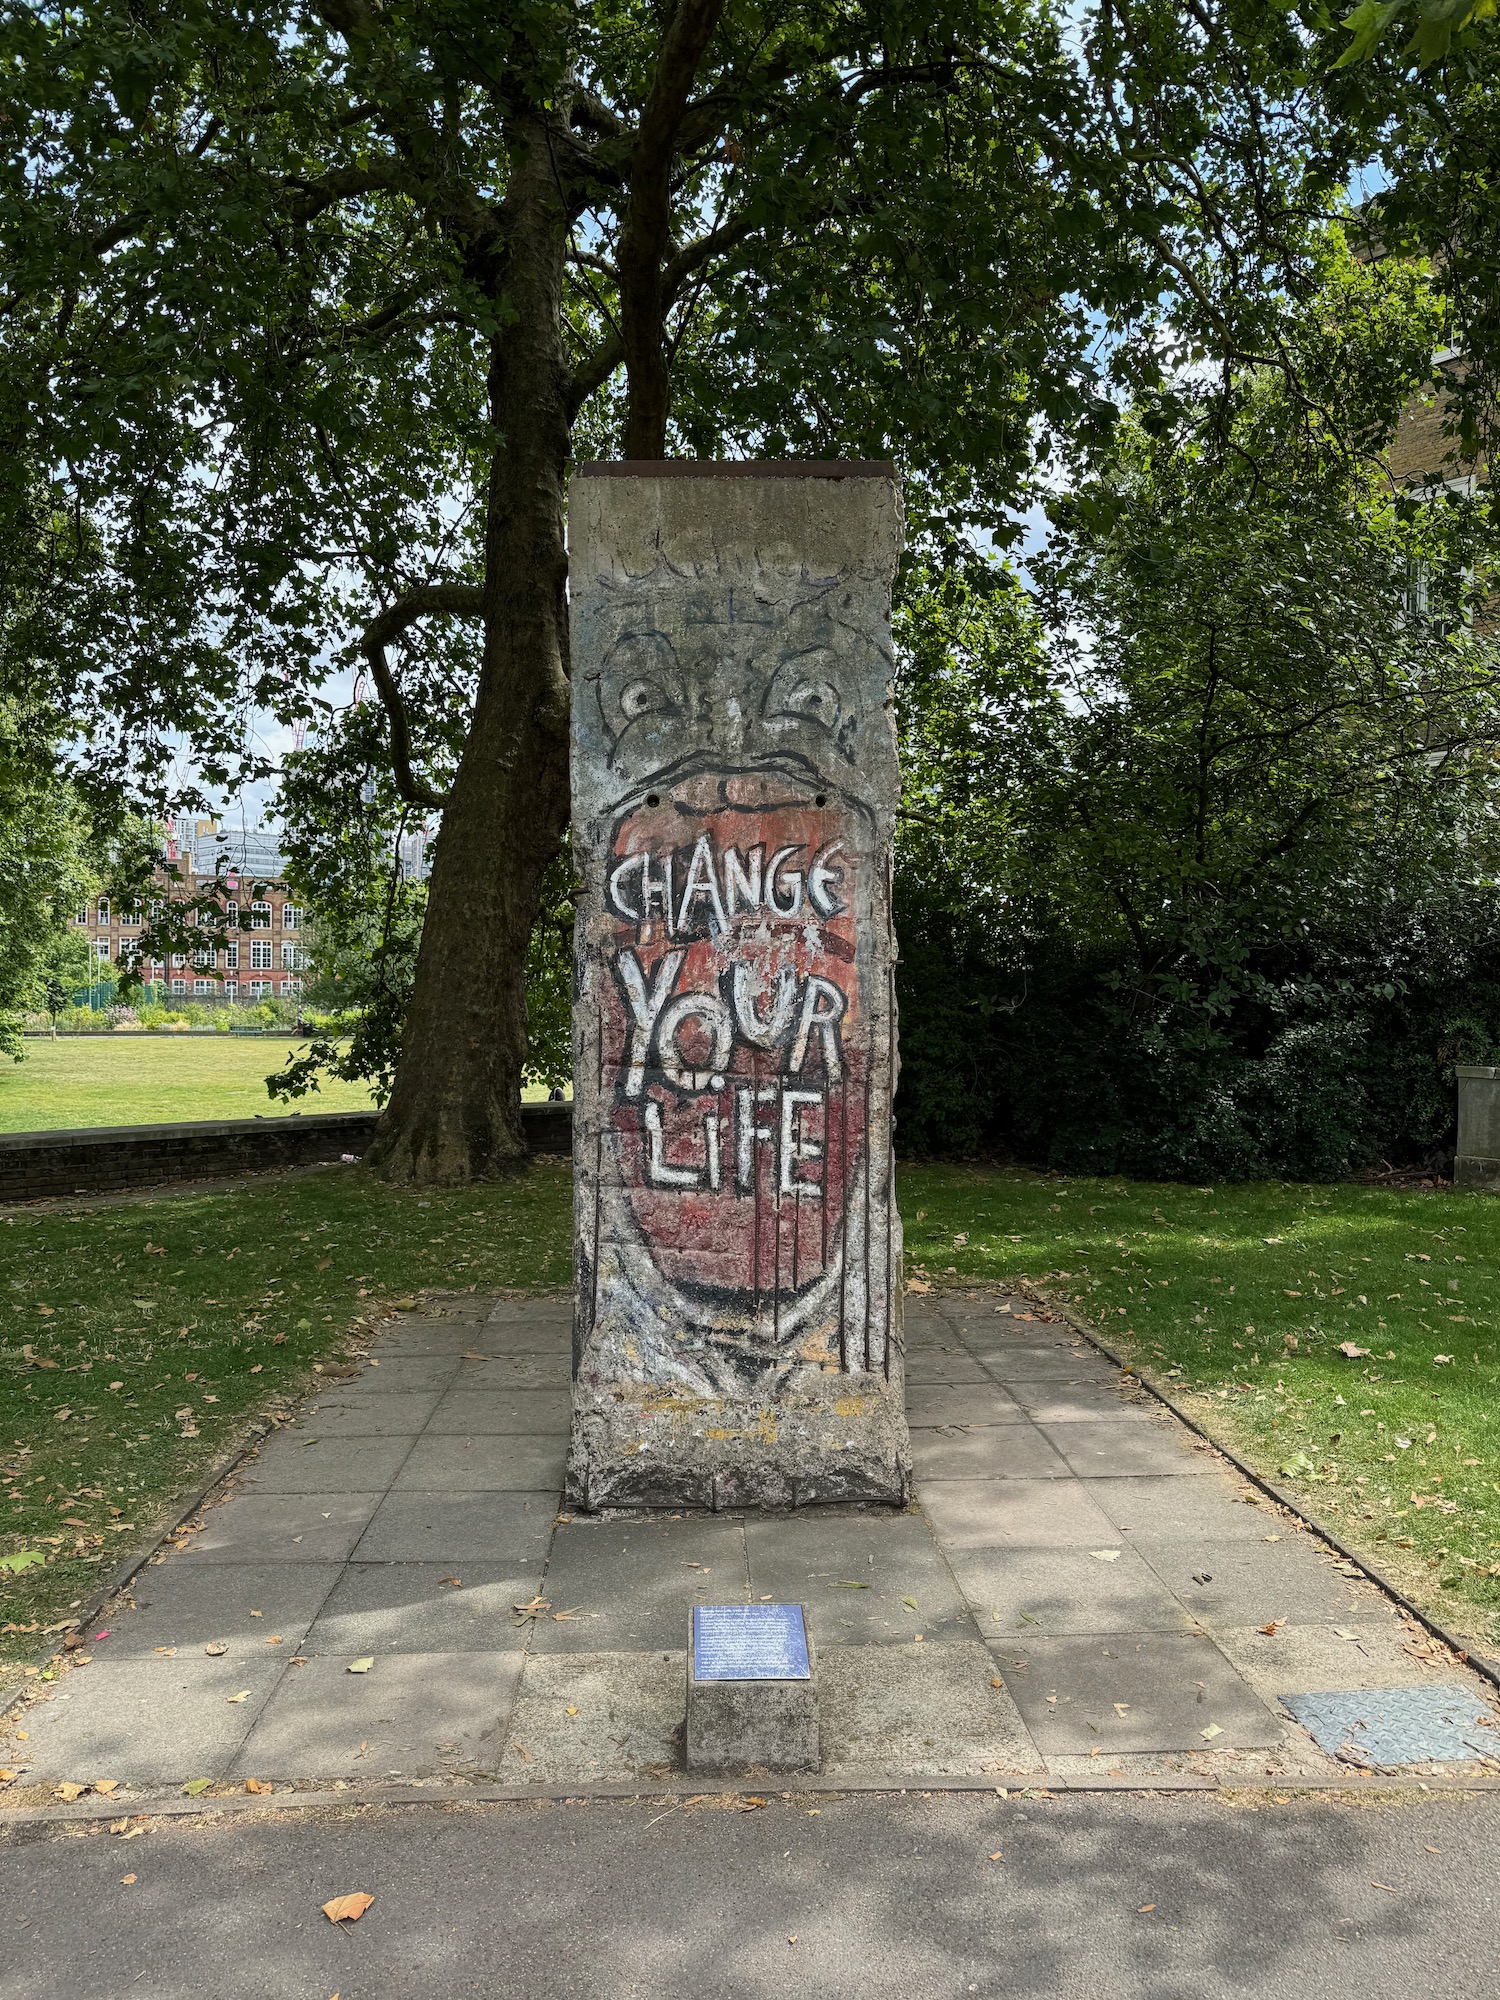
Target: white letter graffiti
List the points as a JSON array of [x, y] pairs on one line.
[[645, 1007], [794, 884], [711, 1011], [660, 1174], [767, 1034], [701, 881], [796, 1146], [820, 875], [825, 1019]]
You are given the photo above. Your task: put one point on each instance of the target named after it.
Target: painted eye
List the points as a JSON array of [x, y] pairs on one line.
[[641, 697], [818, 700]]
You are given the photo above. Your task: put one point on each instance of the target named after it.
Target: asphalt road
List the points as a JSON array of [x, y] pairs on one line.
[[861, 1899]]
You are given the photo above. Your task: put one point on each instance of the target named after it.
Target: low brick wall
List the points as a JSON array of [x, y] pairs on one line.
[[95, 1160]]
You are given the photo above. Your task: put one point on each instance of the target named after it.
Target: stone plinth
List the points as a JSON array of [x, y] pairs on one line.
[[1478, 1161], [734, 785], [752, 1704]]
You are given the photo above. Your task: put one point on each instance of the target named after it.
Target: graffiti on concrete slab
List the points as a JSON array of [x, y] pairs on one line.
[[735, 1055]]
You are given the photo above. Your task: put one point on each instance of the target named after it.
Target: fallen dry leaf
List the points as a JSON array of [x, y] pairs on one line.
[[361, 1666], [127, 1880], [216, 1647], [1144, 1909], [347, 1909], [104, 1786], [1351, 1352], [1273, 1628], [71, 1792], [261, 1789]]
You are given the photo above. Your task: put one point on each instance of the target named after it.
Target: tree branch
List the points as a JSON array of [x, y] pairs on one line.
[[465, 600]]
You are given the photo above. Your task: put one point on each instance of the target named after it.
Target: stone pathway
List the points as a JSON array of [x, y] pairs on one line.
[[1086, 1592]]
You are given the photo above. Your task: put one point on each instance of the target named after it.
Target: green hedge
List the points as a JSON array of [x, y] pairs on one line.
[[1343, 1058]]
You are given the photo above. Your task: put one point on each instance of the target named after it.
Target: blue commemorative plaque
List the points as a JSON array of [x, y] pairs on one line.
[[750, 1642]]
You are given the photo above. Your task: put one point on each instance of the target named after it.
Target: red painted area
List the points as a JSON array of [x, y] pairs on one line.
[[734, 1044]]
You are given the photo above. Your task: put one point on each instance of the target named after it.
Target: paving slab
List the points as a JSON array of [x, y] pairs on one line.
[[943, 1364], [1112, 1451], [396, 1374], [1311, 1658], [1254, 1582], [584, 1716], [503, 1528], [1098, 1403], [261, 1528], [1133, 1691], [986, 1451], [628, 1586], [496, 1461], [472, 1411], [193, 1605], [1053, 1367], [866, 1579], [412, 1713], [1161, 1507], [931, 1403], [1014, 1591], [422, 1608], [369, 1416], [294, 1463], [146, 1721], [920, 1711], [1017, 1513]]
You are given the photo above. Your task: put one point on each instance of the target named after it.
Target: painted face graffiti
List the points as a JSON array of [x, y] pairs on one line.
[[733, 1039]]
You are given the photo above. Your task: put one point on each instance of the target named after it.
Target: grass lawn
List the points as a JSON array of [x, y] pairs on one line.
[[1239, 1298], [83, 1080], [137, 1338]]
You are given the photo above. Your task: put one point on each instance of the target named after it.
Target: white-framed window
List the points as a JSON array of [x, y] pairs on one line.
[[179, 959], [104, 909], [260, 957], [179, 986], [131, 917], [293, 988], [291, 916], [81, 916], [232, 916], [259, 988], [101, 950], [232, 956], [293, 957], [205, 958], [231, 989], [203, 985], [260, 916], [130, 951]]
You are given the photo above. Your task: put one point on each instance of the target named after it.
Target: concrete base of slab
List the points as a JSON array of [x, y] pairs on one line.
[[633, 1446], [735, 1726]]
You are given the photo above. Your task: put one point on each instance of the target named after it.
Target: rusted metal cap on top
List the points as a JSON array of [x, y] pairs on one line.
[[734, 468]]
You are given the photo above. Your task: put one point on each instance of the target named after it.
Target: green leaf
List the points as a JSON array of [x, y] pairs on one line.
[[22, 1559], [195, 1786]]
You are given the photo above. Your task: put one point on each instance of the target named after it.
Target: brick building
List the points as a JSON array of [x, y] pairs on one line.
[[266, 956]]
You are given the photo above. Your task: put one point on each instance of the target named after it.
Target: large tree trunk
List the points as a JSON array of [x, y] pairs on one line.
[[455, 1112]]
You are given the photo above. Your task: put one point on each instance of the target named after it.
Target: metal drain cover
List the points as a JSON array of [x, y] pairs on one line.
[[1405, 1725]]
